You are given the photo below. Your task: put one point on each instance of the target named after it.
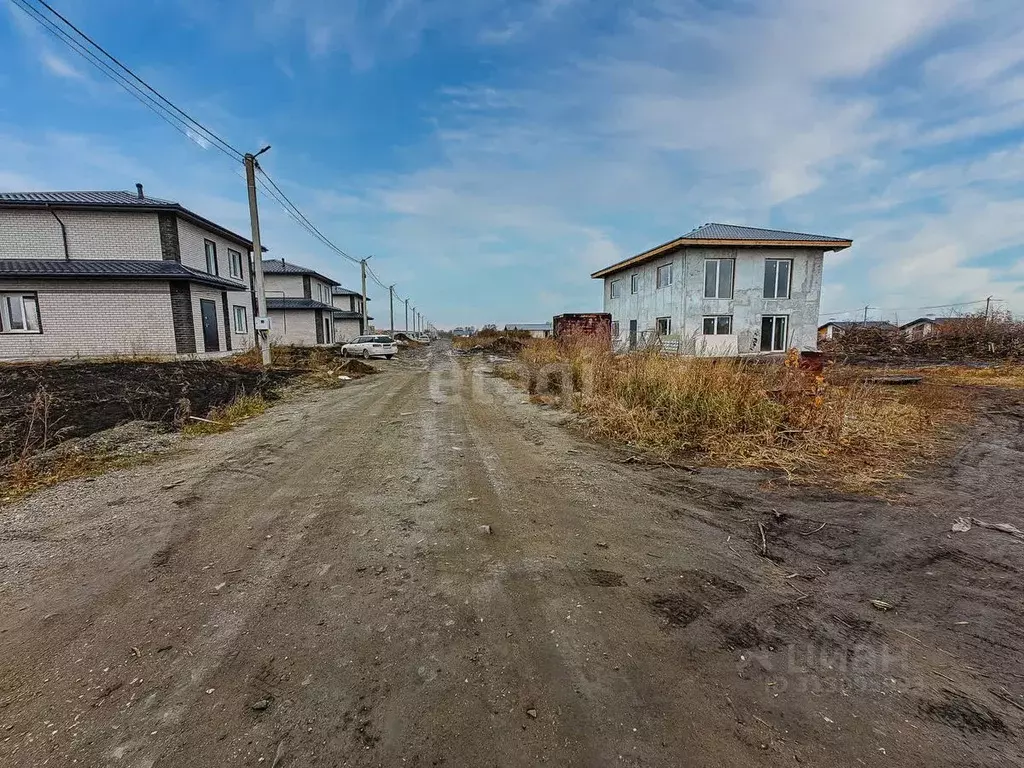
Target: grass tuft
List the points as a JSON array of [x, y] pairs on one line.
[[226, 416]]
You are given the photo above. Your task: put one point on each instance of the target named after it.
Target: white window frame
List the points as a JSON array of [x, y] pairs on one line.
[[775, 287], [211, 257], [658, 281], [234, 255], [238, 311], [718, 293], [29, 304], [785, 334], [714, 320], [634, 283], [668, 326], [614, 289]]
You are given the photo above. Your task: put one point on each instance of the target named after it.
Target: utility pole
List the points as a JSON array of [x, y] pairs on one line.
[[391, 301], [414, 319], [406, 315], [866, 315], [261, 323], [362, 269], [988, 305]]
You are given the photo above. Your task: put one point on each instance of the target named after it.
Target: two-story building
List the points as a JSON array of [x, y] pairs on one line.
[[348, 314], [299, 304], [721, 290], [118, 273]]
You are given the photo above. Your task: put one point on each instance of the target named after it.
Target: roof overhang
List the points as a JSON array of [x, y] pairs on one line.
[[684, 242], [180, 210]]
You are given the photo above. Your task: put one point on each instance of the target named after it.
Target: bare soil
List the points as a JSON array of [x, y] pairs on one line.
[[424, 569]]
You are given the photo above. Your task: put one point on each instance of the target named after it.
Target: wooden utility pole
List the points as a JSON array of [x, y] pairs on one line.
[[988, 305], [261, 323], [391, 301], [406, 315], [362, 269]]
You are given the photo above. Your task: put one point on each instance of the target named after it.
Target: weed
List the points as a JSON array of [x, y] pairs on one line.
[[225, 417]]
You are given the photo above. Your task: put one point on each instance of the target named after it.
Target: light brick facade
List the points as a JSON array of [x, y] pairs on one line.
[[98, 317]]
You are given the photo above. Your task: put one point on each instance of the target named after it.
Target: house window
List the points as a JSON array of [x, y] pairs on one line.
[[718, 278], [235, 263], [776, 278], [615, 329], [615, 289], [773, 333], [664, 326], [211, 257], [241, 320], [19, 313], [665, 275], [634, 283], [718, 325]]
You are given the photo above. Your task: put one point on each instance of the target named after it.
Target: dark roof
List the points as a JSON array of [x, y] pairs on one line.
[[111, 269], [846, 324], [735, 236], [340, 290], [347, 314], [112, 201], [289, 302], [282, 267], [931, 320]]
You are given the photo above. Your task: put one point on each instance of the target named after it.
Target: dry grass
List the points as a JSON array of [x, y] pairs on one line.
[[27, 476], [226, 416], [823, 427], [1005, 375]]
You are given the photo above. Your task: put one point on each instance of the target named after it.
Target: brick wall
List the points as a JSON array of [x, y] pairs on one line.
[[193, 250], [283, 285], [95, 318], [346, 330], [293, 326], [91, 235], [239, 341]]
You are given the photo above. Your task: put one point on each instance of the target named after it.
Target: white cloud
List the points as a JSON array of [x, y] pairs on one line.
[[58, 66]]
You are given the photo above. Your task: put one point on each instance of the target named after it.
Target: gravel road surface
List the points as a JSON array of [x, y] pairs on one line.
[[423, 569]]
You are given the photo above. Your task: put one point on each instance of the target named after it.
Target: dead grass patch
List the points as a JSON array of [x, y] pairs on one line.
[[829, 428], [1005, 375], [27, 476], [225, 417]]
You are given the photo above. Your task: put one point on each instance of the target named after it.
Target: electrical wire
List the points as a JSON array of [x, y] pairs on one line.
[[177, 118], [907, 309]]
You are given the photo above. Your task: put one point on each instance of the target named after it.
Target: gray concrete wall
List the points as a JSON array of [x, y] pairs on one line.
[[294, 327], [684, 300], [345, 330]]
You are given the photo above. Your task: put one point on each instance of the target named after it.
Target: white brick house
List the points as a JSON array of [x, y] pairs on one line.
[[115, 273], [300, 304], [348, 314], [721, 290]]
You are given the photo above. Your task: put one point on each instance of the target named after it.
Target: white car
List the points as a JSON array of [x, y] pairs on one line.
[[370, 346]]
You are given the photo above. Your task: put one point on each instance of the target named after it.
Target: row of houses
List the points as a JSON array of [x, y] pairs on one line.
[[915, 329], [120, 273]]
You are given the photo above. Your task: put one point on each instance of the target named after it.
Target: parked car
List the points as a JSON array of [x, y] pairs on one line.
[[370, 346]]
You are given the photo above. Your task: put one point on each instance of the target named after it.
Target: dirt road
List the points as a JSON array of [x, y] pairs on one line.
[[316, 589]]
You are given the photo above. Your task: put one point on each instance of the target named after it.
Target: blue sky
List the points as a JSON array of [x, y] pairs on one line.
[[491, 153]]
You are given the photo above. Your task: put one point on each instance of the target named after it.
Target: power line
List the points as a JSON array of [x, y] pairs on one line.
[[210, 134], [177, 118], [906, 309]]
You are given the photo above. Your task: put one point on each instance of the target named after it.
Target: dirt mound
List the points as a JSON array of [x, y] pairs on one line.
[[497, 345], [405, 339], [43, 404], [352, 365]]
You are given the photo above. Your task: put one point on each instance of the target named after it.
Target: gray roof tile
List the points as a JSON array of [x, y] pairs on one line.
[[117, 197], [283, 267], [292, 302], [734, 232], [110, 269]]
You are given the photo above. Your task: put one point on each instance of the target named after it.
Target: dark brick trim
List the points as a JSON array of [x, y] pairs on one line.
[[182, 318], [319, 315], [170, 246], [307, 287], [227, 321]]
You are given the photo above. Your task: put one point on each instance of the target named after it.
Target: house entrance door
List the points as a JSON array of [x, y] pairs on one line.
[[211, 336]]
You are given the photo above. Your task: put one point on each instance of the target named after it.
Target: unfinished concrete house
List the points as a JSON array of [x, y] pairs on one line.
[[720, 290], [86, 274]]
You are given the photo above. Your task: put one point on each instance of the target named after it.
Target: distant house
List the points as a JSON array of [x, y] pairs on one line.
[[300, 304], [536, 330], [836, 328], [926, 326], [348, 314], [119, 273], [721, 290]]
